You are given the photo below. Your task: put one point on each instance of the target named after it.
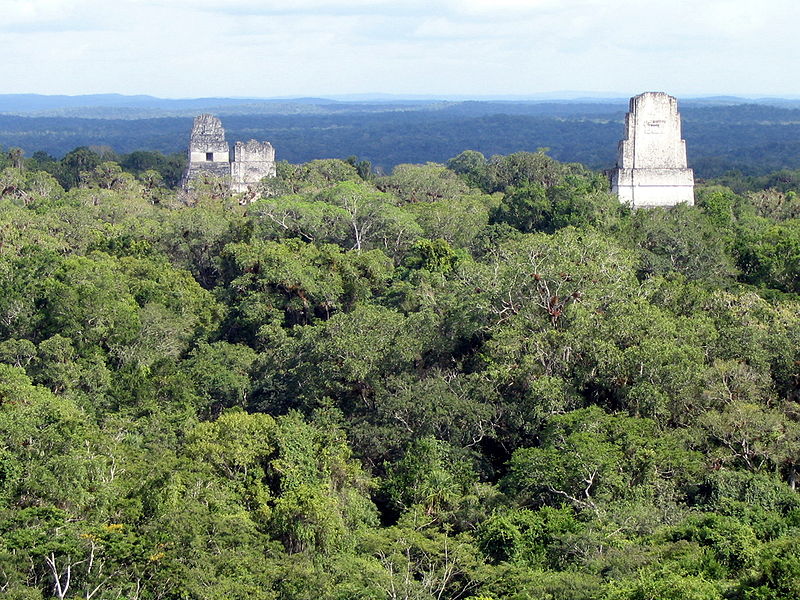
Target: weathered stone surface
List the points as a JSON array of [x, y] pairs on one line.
[[208, 151], [208, 136], [252, 161], [651, 160], [209, 154]]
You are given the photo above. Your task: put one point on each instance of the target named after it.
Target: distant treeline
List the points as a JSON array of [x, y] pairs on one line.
[[752, 139], [80, 166]]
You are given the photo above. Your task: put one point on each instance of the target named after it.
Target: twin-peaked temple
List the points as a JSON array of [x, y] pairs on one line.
[[651, 165], [209, 154]]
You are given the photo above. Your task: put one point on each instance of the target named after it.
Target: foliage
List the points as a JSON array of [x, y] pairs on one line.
[[480, 380]]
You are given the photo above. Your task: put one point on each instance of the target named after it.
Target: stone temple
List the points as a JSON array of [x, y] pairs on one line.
[[651, 161], [209, 154]]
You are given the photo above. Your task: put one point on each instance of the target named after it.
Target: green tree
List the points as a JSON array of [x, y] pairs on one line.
[[222, 375], [530, 538], [770, 257], [431, 475], [472, 167], [422, 183], [665, 586], [587, 457], [681, 239], [373, 219], [778, 575], [74, 163]]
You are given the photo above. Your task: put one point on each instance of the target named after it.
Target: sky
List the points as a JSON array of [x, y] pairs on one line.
[[459, 48]]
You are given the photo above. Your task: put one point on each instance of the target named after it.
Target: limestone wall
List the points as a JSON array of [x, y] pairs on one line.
[[253, 151], [252, 161], [651, 158], [220, 170], [208, 136], [197, 156], [652, 134], [644, 188], [209, 153]]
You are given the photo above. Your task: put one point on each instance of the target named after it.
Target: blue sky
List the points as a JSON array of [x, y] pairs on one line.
[[268, 48]]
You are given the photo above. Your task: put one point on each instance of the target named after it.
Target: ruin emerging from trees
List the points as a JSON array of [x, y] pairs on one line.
[[209, 154], [651, 165]]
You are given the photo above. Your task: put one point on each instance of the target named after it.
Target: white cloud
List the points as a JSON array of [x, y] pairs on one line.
[[272, 47], [268, 7], [42, 14], [24, 11], [500, 8]]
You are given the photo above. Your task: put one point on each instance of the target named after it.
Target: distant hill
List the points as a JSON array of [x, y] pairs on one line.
[[118, 106], [100, 105]]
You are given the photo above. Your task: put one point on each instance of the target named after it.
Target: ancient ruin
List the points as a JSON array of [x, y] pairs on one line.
[[651, 161], [209, 154]]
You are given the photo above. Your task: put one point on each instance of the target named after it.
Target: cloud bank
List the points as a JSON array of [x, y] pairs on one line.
[[261, 48]]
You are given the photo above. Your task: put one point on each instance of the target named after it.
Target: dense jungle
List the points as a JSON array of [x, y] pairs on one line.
[[480, 379]]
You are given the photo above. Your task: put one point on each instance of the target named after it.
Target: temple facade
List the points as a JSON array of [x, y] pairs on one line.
[[209, 154], [651, 165]]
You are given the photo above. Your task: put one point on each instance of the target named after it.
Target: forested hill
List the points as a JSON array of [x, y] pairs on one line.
[[752, 138], [485, 380]]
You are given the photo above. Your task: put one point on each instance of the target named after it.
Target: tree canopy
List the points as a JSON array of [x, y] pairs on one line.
[[480, 380]]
